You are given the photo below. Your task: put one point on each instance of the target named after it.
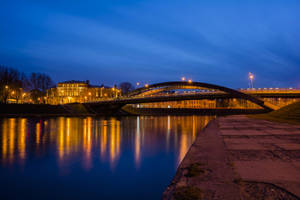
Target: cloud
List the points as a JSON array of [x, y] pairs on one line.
[[158, 40]]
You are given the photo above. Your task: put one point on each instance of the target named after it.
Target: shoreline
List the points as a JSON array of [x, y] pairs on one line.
[[236, 157], [82, 110]]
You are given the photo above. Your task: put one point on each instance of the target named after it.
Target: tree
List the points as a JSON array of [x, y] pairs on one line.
[[38, 84], [10, 83], [37, 96], [126, 87], [38, 81]]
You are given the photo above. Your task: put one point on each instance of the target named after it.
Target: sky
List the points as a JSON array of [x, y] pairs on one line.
[[151, 41]]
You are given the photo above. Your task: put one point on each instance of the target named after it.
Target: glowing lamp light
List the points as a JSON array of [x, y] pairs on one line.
[[251, 76], [146, 85], [190, 81], [183, 78]]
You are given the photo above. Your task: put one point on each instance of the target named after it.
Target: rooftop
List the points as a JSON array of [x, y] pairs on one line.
[[75, 81]]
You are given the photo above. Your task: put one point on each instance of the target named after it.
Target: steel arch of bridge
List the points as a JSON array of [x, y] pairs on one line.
[[200, 85]]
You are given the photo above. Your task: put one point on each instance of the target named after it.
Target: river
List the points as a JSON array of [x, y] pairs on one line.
[[93, 158]]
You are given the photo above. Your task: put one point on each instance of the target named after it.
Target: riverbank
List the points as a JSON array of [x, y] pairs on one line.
[[288, 114], [77, 110], [32, 110], [46, 110], [237, 157]]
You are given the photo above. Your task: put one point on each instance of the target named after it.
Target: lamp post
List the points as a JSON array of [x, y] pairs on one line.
[[183, 78], [251, 77]]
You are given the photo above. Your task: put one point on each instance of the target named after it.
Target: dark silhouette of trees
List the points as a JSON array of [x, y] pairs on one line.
[[13, 83], [10, 83], [38, 81], [126, 87], [38, 84]]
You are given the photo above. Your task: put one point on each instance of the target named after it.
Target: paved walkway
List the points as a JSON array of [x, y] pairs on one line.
[[236, 157]]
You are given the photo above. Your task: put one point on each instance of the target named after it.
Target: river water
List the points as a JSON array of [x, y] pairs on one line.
[[93, 158]]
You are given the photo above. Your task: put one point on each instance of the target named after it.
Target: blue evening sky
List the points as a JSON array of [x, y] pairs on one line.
[[110, 41]]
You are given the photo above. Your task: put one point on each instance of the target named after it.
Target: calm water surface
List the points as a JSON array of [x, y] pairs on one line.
[[93, 158]]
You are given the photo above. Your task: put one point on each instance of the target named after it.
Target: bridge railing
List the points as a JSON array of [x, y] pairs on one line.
[[270, 90]]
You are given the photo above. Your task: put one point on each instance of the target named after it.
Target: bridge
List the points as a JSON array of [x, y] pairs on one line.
[[161, 94]]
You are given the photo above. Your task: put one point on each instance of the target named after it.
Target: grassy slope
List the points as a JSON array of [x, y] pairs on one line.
[[287, 114]]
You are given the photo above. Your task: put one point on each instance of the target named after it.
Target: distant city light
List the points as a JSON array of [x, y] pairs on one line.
[[183, 78], [190, 81], [146, 85]]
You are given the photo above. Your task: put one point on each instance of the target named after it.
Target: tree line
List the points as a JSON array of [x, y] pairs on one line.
[[14, 83]]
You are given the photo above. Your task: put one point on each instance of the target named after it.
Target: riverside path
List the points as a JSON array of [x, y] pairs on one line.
[[236, 157]]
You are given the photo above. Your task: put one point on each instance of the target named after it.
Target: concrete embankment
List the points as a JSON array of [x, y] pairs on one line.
[[236, 157]]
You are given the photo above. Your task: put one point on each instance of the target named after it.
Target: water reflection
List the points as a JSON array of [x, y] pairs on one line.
[[85, 136], [137, 142], [143, 150], [13, 140]]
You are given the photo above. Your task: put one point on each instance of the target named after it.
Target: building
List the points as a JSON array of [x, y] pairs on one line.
[[80, 92]]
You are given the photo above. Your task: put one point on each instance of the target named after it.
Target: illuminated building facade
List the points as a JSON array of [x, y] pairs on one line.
[[79, 92]]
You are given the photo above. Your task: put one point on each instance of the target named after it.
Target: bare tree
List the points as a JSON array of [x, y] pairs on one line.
[[126, 87], [10, 82], [38, 81]]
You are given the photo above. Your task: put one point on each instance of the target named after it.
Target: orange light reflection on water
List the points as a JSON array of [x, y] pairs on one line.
[[81, 137], [13, 144], [137, 152]]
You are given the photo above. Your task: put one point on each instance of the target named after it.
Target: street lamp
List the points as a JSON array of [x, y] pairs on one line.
[[190, 81], [137, 83], [251, 77], [146, 85], [183, 78]]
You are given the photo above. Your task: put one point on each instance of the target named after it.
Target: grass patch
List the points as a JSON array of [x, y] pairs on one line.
[[188, 193], [195, 169], [288, 114]]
